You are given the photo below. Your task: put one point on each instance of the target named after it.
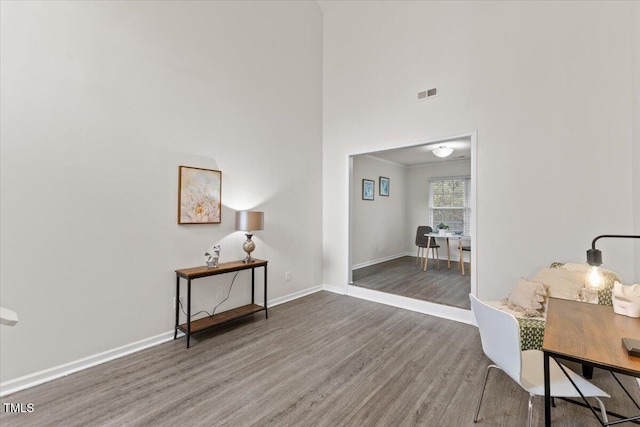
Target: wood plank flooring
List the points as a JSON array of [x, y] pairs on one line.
[[402, 276], [322, 360]]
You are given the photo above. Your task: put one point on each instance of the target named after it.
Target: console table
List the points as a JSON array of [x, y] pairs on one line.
[[191, 327]]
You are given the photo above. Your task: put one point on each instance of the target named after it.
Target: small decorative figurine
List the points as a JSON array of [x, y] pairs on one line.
[[212, 256], [626, 299]]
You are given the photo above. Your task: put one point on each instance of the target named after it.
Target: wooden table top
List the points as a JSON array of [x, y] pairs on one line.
[[225, 267], [448, 236], [591, 333]]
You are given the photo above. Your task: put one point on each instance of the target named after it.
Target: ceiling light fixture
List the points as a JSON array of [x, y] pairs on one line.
[[442, 151]]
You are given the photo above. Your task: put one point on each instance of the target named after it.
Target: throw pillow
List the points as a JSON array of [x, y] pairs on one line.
[[562, 283], [602, 296], [529, 296]]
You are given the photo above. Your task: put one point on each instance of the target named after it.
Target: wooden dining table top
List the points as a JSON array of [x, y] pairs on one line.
[[591, 333]]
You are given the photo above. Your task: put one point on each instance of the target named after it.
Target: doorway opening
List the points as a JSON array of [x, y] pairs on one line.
[[392, 193]]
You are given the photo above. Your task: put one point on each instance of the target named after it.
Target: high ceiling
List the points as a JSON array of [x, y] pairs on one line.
[[421, 154]]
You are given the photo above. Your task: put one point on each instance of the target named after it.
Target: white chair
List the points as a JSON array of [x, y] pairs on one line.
[[500, 336], [8, 317]]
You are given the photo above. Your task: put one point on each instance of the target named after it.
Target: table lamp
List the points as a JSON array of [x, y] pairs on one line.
[[249, 221], [594, 258]]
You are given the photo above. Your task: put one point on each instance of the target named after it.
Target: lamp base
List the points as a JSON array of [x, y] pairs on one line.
[[248, 246]]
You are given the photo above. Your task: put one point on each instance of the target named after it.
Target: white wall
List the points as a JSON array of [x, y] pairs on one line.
[[379, 224], [418, 195], [101, 102], [546, 85]]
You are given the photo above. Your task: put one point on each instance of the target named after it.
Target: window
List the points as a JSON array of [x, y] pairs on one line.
[[449, 203]]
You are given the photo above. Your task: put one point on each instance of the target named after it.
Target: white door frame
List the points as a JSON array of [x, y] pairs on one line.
[[448, 312]]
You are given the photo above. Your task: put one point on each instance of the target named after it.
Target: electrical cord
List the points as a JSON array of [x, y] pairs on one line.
[[228, 294], [214, 308]]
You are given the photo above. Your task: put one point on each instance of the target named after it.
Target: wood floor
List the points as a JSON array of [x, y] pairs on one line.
[[402, 276], [322, 360]]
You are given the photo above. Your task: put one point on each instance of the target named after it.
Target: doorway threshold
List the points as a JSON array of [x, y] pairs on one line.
[[425, 307]]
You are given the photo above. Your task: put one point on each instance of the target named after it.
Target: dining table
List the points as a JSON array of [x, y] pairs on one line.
[[447, 236]]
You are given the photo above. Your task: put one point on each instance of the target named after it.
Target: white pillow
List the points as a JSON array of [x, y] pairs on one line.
[[608, 276], [529, 296], [562, 283]]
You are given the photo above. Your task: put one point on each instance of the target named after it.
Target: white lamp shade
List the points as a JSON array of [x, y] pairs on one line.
[[249, 220]]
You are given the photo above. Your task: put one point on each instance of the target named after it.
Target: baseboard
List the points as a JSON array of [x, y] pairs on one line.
[[441, 257], [295, 295], [425, 307], [379, 260], [27, 381], [334, 289], [30, 380]]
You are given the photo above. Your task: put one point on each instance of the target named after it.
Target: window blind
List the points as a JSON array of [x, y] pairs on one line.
[[449, 203]]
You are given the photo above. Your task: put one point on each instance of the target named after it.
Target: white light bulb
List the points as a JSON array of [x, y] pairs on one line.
[[595, 278]]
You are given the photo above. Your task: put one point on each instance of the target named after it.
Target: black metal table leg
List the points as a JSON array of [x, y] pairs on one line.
[[253, 270], [177, 303], [547, 392], [188, 311], [266, 313]]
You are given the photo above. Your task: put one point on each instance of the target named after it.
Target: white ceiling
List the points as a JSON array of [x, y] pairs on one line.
[[421, 154]]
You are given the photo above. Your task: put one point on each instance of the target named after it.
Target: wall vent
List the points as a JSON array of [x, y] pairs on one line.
[[427, 93]]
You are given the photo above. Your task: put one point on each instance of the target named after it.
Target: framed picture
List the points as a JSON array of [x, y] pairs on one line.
[[384, 186], [368, 189], [199, 196]]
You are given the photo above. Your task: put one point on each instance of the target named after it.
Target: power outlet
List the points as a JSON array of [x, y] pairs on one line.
[[287, 276]]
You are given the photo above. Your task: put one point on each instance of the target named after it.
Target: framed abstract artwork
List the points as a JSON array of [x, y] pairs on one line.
[[384, 186], [368, 189], [199, 196]]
